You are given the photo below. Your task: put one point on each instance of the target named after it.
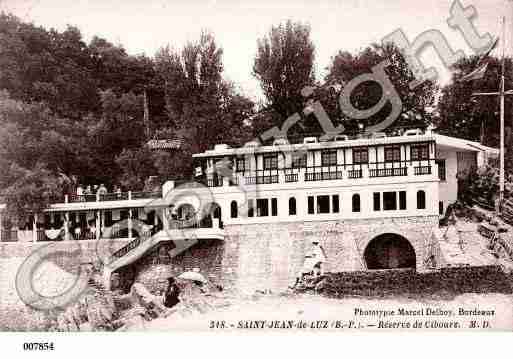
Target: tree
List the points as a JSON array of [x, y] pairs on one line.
[[202, 107], [120, 128], [284, 65], [29, 182], [474, 117], [346, 66], [136, 166]]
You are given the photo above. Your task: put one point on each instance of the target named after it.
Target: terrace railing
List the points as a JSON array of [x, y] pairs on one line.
[[114, 196], [146, 195], [117, 196]]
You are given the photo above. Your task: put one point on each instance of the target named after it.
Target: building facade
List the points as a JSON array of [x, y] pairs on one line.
[[368, 203]]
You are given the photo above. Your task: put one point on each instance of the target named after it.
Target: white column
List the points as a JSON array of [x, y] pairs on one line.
[[165, 223], [102, 213], [66, 226], [98, 224], [34, 228], [130, 223]]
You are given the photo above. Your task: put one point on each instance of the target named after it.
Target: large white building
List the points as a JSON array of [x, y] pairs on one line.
[[370, 203]]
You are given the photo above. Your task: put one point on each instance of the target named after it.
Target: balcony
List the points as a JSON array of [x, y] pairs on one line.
[[388, 172], [338, 172], [262, 179], [422, 170], [323, 176], [354, 174]]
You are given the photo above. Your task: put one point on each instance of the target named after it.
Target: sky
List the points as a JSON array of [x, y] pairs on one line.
[[143, 26]]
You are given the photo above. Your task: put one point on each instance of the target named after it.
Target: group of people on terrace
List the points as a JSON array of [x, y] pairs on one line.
[[95, 189]]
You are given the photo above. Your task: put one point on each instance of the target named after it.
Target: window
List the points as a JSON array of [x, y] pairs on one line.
[[329, 158], [402, 200], [441, 169], [240, 164], [441, 208], [292, 206], [323, 204], [360, 155], [298, 160], [310, 205], [270, 162], [389, 201], [376, 201], [335, 203], [233, 209], [262, 207], [421, 200], [392, 154], [251, 208], [419, 152], [274, 206], [356, 202]]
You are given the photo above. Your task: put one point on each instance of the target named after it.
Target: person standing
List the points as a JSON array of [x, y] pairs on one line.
[[171, 296]]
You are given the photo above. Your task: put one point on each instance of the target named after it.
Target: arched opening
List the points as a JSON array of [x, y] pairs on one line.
[[185, 212], [214, 212], [389, 251], [292, 206], [356, 202], [421, 200], [234, 209]]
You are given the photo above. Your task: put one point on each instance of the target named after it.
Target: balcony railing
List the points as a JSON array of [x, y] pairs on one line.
[[388, 172], [291, 177], [323, 176], [215, 182], [323, 173], [262, 179], [422, 170], [354, 174]]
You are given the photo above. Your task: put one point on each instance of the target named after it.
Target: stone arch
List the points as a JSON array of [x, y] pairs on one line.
[[186, 211], [389, 251]]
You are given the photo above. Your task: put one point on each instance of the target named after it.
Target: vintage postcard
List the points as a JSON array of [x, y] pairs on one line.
[[257, 166]]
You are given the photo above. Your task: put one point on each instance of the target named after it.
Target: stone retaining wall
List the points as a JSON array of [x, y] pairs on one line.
[[271, 256], [447, 281], [53, 274]]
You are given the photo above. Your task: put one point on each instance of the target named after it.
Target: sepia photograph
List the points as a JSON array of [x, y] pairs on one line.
[[283, 166]]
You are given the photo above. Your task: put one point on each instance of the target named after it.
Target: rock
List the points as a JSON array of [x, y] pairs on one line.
[[319, 287]]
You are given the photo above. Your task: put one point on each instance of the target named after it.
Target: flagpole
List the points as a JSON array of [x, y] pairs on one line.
[[501, 171]]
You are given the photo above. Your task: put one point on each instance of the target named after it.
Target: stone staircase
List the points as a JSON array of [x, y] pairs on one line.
[[183, 239]]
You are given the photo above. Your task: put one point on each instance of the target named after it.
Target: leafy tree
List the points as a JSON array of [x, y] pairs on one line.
[[474, 117], [284, 65], [136, 166], [120, 127], [346, 66], [202, 107], [28, 182]]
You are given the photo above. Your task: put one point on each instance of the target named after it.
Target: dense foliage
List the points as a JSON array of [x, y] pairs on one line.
[[73, 112]]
